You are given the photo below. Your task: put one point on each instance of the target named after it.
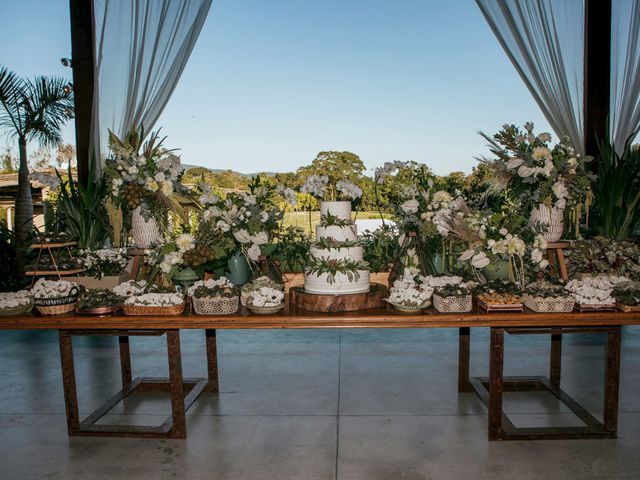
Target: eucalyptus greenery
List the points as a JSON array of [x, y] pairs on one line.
[[291, 249], [330, 220], [350, 268], [326, 243], [381, 248]]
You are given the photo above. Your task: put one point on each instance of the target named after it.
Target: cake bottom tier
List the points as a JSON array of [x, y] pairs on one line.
[[341, 284]]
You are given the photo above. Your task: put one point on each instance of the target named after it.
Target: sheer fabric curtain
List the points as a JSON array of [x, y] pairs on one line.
[[544, 40], [141, 49], [625, 70]]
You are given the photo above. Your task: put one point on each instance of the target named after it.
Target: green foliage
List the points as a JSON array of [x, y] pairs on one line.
[[381, 248], [291, 249], [350, 268], [617, 190], [82, 213]]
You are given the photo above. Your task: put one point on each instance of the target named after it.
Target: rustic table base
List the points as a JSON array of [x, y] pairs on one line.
[[490, 390], [183, 391]]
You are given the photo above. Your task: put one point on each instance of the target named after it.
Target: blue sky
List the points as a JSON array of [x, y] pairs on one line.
[[269, 84]]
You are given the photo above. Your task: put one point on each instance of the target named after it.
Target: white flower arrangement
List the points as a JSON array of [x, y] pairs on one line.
[[50, 289], [155, 300], [288, 194], [262, 292], [594, 290], [11, 300], [104, 262], [130, 288], [349, 190], [409, 292], [315, 185]]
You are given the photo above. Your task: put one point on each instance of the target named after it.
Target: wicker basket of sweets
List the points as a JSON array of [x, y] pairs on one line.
[[55, 297], [15, 303], [154, 304], [214, 297]]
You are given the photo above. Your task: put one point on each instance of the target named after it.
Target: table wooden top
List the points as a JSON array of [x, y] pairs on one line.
[[295, 318]]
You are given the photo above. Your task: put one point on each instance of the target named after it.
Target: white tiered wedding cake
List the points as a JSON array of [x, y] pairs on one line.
[[337, 266]]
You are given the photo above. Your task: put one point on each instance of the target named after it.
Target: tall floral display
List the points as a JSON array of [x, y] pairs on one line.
[[145, 181], [545, 181]]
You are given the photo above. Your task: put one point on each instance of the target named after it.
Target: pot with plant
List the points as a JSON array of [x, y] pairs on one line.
[[99, 301], [103, 268], [545, 297], [16, 303], [55, 297], [263, 296], [214, 297], [500, 296]]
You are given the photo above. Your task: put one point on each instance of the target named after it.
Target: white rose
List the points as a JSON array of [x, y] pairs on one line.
[[260, 238], [480, 260], [514, 163], [253, 252], [410, 206], [242, 236]]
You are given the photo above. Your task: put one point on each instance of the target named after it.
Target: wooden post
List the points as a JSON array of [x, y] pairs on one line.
[[82, 61], [597, 71]]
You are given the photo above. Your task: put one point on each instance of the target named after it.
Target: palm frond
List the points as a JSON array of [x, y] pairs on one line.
[[12, 89], [47, 102]]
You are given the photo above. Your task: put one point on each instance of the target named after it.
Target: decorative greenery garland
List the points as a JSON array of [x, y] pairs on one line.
[[348, 267]]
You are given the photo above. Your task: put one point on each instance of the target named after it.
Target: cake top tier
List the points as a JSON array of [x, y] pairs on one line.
[[341, 210]]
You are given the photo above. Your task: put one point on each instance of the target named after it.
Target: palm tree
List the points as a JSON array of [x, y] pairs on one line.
[[32, 111]]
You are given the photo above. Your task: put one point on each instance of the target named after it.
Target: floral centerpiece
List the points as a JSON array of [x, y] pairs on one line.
[[145, 180], [543, 296], [263, 296], [544, 180], [244, 222], [595, 293], [15, 303], [214, 297], [627, 296], [98, 301], [500, 295], [103, 262], [53, 297], [324, 188], [155, 303], [410, 294]]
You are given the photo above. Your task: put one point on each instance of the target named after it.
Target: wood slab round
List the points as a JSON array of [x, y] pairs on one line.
[[314, 302]]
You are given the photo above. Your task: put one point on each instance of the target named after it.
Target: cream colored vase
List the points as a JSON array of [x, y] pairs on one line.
[[551, 218], [145, 233]]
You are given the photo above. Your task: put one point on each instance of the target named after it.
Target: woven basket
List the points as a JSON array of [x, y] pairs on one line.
[[215, 305], [56, 309], [411, 309], [21, 310], [453, 304], [265, 310], [151, 310], [549, 304]]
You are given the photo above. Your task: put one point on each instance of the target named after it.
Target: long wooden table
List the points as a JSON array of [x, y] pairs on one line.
[[490, 389]]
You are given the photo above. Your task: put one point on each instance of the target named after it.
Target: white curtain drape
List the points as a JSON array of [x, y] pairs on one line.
[[625, 70], [141, 49], [544, 40]]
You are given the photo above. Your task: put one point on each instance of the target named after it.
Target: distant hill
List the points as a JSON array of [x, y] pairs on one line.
[[219, 170]]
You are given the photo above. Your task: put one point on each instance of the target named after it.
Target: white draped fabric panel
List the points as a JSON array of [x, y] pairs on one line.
[[625, 70], [141, 49], [544, 40]]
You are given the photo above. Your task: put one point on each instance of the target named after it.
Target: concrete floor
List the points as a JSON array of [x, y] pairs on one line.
[[316, 404]]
